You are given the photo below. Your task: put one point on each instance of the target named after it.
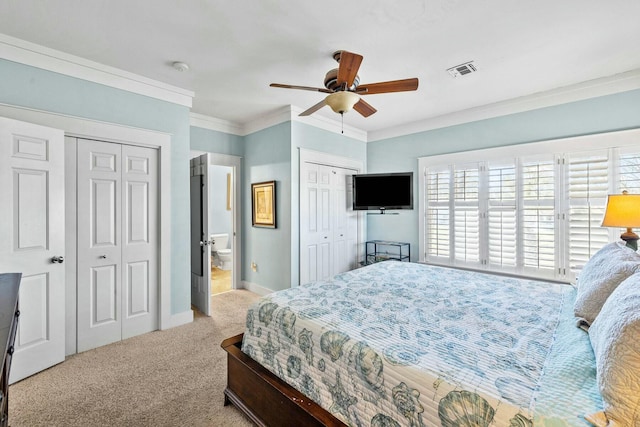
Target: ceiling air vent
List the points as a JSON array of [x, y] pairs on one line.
[[462, 69]]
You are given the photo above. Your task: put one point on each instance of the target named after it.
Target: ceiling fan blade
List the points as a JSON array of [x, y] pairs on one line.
[[313, 89], [313, 109], [364, 108], [348, 67], [386, 87]]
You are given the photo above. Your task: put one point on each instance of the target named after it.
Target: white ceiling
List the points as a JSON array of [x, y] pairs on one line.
[[236, 48]]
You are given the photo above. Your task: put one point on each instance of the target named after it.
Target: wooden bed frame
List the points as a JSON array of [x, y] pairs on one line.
[[265, 398]]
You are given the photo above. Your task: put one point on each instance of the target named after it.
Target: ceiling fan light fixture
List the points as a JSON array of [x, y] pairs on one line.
[[342, 102]]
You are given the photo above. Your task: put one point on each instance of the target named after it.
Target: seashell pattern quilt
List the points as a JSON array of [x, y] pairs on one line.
[[408, 344]]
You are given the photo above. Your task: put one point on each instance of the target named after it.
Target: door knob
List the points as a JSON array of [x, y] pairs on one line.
[[57, 259], [102, 257]]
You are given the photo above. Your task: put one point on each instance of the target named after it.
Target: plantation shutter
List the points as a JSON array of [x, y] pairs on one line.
[[629, 172], [538, 213], [587, 188], [466, 187], [501, 215], [437, 221]]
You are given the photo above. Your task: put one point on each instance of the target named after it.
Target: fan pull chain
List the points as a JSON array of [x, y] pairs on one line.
[[342, 119]]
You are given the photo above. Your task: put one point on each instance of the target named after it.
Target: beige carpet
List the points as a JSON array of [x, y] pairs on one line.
[[165, 378]]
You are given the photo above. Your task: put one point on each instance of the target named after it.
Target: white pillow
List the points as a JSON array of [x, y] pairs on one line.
[[615, 338], [600, 276]]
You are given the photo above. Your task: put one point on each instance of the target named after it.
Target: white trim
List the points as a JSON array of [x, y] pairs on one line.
[[623, 138], [92, 129], [590, 89], [256, 289], [71, 244], [322, 158], [275, 117], [34, 55], [212, 123], [284, 114], [331, 125]]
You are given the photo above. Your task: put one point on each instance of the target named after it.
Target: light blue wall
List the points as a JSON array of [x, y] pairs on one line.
[[596, 115], [268, 158], [31, 87], [216, 142]]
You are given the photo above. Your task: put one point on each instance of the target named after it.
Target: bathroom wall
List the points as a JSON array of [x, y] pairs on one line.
[[220, 219]]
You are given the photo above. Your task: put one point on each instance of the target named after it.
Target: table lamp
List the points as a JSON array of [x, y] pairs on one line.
[[623, 210]]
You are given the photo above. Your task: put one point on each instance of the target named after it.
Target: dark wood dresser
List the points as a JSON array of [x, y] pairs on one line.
[[9, 284]]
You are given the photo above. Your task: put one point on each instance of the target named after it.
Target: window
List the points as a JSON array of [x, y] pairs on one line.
[[531, 209]]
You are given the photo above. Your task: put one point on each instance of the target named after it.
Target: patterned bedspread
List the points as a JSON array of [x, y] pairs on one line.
[[399, 343]]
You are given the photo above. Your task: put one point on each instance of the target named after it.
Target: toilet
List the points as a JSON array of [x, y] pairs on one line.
[[223, 257]]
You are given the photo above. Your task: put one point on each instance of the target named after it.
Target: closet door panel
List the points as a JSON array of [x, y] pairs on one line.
[[99, 244], [140, 243]]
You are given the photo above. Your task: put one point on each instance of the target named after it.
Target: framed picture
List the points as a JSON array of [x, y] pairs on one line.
[[263, 204]]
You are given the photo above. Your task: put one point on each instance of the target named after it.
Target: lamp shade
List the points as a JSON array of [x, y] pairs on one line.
[[341, 102], [623, 210]]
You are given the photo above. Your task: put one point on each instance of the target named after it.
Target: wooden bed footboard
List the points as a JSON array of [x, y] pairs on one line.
[[265, 398]]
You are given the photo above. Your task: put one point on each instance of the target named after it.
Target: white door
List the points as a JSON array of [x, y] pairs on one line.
[[32, 239], [345, 222], [117, 242], [316, 229], [140, 246], [200, 242]]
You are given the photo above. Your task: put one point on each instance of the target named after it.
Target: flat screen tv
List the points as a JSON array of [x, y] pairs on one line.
[[382, 191]]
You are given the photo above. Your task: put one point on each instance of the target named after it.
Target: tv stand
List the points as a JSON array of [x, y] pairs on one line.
[[382, 250]]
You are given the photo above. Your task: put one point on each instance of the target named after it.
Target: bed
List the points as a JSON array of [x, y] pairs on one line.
[[399, 343]]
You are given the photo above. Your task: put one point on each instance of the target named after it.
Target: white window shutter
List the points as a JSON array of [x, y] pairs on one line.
[[587, 178], [532, 209], [466, 184], [537, 215], [501, 215], [438, 222], [629, 172]]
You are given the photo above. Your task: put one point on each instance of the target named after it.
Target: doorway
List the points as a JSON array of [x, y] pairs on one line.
[[216, 208], [221, 227]]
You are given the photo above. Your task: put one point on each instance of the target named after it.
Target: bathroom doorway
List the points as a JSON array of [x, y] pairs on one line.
[[221, 227], [220, 245]]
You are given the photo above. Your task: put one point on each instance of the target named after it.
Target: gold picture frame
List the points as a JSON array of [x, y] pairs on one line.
[[263, 204]]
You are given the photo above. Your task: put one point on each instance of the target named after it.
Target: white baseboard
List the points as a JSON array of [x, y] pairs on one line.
[[256, 289], [179, 319]]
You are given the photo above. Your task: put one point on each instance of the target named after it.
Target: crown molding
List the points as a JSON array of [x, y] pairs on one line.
[[272, 118], [330, 125], [288, 113], [23, 52], [617, 83], [212, 123]]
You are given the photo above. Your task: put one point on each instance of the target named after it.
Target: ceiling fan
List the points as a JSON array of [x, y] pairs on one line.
[[344, 88]]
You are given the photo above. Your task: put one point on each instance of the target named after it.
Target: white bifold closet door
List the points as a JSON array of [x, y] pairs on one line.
[[328, 224], [117, 266]]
